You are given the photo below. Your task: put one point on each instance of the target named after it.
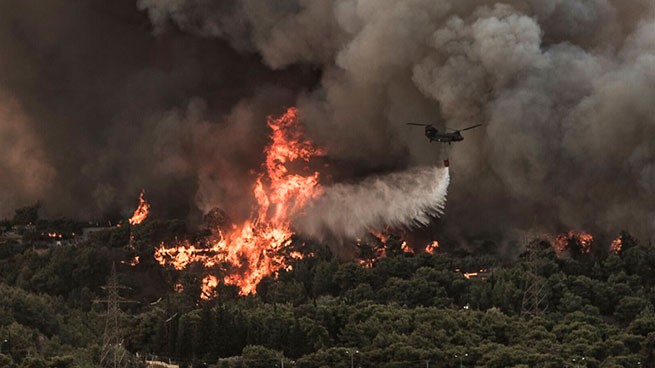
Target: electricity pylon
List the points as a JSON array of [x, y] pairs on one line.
[[114, 354], [533, 294]]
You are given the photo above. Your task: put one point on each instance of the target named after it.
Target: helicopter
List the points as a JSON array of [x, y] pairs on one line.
[[434, 135]]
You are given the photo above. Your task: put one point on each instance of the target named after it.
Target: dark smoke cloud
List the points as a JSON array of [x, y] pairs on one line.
[[167, 94], [565, 89], [93, 108]]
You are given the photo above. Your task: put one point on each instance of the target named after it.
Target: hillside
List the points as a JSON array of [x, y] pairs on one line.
[[585, 306]]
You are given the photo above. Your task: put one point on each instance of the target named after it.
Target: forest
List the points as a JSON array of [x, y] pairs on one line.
[[582, 306]]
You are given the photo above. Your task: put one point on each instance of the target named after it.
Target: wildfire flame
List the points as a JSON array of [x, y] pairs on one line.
[[432, 247], [209, 284], [254, 249], [381, 250], [469, 275], [133, 261], [383, 237], [141, 212], [616, 246], [561, 241], [406, 248], [482, 273]]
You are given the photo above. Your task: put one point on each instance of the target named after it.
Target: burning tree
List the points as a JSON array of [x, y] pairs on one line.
[[141, 211], [250, 251]]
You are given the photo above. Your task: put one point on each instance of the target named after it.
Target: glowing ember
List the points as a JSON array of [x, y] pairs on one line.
[[483, 273], [383, 237], [561, 241], [372, 254], [432, 247], [132, 262], [616, 246], [209, 284], [253, 250], [141, 212], [379, 250], [469, 275]]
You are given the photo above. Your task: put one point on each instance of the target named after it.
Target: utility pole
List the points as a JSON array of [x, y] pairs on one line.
[[461, 358], [352, 357], [114, 354]]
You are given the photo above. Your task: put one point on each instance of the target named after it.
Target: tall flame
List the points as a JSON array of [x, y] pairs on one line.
[[142, 210], [254, 249]]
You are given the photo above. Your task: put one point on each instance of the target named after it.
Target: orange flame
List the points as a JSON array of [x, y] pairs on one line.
[[482, 273], [383, 237], [380, 251], [616, 246], [377, 252], [432, 247], [254, 250], [561, 241], [406, 248], [141, 212], [133, 261], [209, 284]]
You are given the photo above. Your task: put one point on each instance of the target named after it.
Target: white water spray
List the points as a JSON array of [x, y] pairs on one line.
[[405, 199]]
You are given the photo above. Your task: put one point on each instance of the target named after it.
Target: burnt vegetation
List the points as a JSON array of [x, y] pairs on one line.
[[595, 307]]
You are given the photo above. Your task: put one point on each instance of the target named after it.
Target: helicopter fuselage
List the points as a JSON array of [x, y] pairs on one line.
[[434, 135]]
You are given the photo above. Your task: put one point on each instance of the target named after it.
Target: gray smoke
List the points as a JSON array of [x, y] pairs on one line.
[[564, 88], [402, 200], [23, 158]]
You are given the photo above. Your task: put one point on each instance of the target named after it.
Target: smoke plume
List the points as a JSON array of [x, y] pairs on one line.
[[563, 88], [171, 96], [402, 200]]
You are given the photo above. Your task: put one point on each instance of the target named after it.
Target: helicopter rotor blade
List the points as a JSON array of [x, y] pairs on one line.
[[471, 127], [417, 124]]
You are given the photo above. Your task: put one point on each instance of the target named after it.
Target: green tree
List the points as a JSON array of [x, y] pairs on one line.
[[629, 307], [26, 215]]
